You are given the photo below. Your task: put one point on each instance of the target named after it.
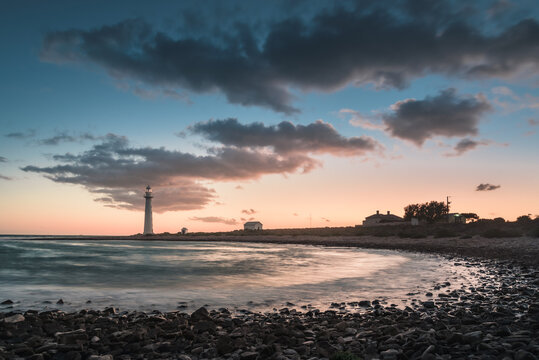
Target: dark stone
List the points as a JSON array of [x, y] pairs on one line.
[[60, 302], [224, 345], [200, 314], [7, 302]]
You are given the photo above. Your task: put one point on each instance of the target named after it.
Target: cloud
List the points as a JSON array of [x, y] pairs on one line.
[[248, 211], [3, 159], [465, 145], [21, 135], [215, 219], [285, 138], [533, 122], [65, 137], [487, 187], [116, 171], [5, 177], [238, 187], [386, 44], [445, 114]]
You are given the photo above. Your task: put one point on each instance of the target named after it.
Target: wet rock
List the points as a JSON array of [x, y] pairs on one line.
[[200, 314], [71, 337], [472, 337], [60, 302], [14, 319], [6, 302]]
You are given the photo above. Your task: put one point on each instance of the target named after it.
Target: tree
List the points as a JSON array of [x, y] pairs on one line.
[[429, 211], [524, 219], [467, 216]]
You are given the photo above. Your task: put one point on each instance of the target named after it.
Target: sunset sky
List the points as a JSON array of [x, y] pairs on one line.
[[293, 113]]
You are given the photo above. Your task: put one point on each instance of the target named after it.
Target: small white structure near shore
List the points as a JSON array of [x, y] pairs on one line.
[[382, 219], [252, 225]]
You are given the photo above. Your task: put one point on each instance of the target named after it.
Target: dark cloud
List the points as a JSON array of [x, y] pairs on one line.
[[487, 187], [285, 138], [382, 43], [183, 195], [2, 177], [65, 137], [215, 219], [248, 211], [116, 171], [465, 145], [445, 114], [21, 135], [3, 159]]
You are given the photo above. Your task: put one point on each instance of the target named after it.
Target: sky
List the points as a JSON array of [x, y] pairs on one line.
[[292, 113]]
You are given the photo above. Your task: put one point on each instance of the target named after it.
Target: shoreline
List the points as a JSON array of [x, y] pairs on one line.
[[521, 250], [498, 318]]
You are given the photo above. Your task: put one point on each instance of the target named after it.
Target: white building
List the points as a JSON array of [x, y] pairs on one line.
[[252, 225], [382, 219], [148, 221]]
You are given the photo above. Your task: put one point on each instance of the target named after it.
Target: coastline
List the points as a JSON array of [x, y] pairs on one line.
[[497, 318], [522, 250]]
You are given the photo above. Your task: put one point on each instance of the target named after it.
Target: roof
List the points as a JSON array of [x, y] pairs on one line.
[[390, 217], [252, 223]]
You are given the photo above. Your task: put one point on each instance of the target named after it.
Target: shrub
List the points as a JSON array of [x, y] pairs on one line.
[[442, 233], [499, 233]]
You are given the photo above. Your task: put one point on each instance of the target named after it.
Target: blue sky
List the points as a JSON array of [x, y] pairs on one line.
[[63, 96]]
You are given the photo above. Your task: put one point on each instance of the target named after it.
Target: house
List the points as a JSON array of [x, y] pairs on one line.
[[252, 225], [382, 219], [456, 218]]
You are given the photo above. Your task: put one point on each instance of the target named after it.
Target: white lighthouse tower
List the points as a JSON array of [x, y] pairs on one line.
[[148, 222]]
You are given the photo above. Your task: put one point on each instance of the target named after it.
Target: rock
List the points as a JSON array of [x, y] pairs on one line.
[[364, 303], [71, 337], [428, 304], [224, 345], [102, 357], [200, 314], [473, 337], [14, 319], [184, 357], [7, 302], [524, 355], [60, 302], [204, 325], [390, 354], [248, 355]]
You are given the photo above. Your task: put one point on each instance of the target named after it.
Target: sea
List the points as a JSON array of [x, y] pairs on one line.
[[169, 275]]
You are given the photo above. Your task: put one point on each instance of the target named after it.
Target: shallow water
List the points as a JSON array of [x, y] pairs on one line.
[[163, 275]]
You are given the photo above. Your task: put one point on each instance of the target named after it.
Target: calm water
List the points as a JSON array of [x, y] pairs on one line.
[[164, 275]]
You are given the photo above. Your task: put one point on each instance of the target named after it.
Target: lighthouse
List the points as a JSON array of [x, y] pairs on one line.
[[148, 222]]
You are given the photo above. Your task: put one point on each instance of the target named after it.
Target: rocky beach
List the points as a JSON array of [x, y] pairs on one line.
[[498, 318]]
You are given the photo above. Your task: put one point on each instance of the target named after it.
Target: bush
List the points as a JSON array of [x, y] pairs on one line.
[[499, 233], [524, 219], [442, 233]]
